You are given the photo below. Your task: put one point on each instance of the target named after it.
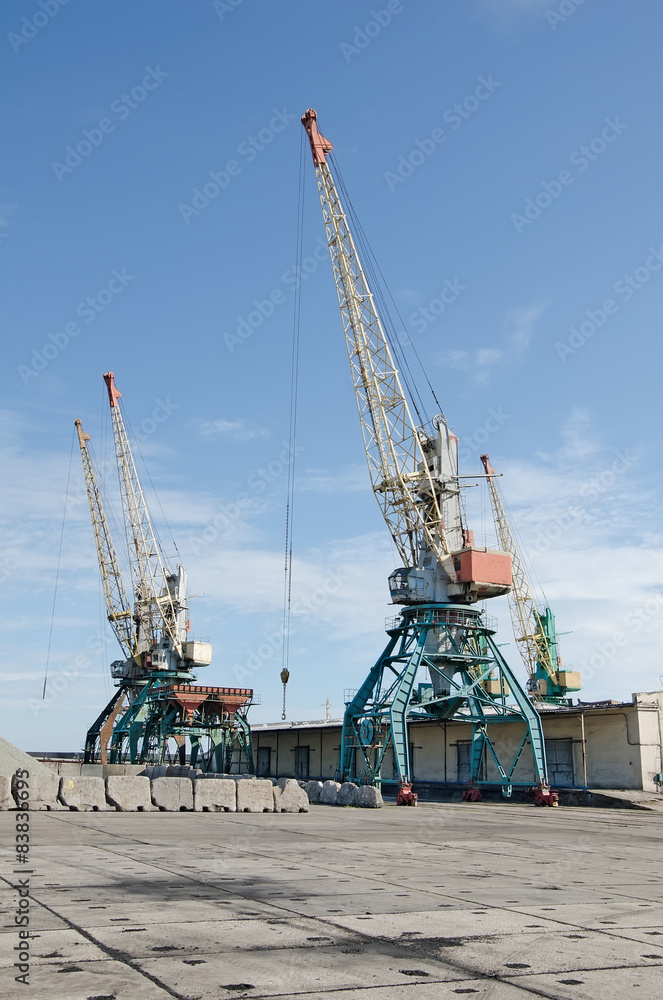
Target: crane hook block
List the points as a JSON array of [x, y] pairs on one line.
[[285, 676]]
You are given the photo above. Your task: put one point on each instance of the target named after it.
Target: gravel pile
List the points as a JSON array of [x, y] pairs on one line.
[[12, 758]]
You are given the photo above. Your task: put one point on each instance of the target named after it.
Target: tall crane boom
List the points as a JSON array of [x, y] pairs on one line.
[[399, 469], [118, 606], [414, 474], [154, 606], [535, 632]]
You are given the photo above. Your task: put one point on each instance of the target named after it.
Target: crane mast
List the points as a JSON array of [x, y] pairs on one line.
[[534, 630], [414, 476]]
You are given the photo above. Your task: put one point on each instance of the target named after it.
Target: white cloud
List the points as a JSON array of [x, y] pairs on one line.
[[323, 481], [587, 529], [412, 296], [236, 430], [584, 512], [517, 332]]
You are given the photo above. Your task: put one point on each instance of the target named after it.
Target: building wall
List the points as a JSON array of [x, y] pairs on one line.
[[649, 734], [622, 746]]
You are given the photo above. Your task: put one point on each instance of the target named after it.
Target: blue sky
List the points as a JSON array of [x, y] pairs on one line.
[[539, 202]]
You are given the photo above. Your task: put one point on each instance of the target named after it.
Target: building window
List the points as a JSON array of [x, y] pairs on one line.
[[264, 761], [463, 758], [559, 755], [302, 756]]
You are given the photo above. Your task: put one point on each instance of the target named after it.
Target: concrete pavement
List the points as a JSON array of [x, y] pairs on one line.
[[488, 900]]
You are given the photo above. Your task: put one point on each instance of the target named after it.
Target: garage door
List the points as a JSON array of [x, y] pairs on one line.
[[560, 761]]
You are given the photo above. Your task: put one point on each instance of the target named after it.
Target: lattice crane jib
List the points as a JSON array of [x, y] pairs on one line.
[[534, 630], [118, 606], [414, 470], [156, 597], [397, 451]]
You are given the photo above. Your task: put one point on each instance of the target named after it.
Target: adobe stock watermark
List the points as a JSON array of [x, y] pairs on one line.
[[7, 568], [633, 623], [455, 116], [140, 433], [302, 610], [248, 150], [62, 680], [223, 7], [87, 310], [562, 13], [581, 158], [470, 445], [595, 319], [163, 409], [120, 110], [363, 36], [422, 317], [257, 482], [291, 279], [33, 24], [579, 514]]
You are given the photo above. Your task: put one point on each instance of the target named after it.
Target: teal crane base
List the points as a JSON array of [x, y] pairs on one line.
[[138, 723], [466, 679]]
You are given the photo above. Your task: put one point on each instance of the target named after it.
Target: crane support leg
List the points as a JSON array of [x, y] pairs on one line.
[[468, 681]]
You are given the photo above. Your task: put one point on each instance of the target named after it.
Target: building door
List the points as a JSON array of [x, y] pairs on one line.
[[302, 756], [463, 751], [559, 754], [264, 763]]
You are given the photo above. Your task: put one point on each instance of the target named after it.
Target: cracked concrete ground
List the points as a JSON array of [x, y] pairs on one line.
[[496, 901]]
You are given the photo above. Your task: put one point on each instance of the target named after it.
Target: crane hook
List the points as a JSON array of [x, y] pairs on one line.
[[285, 675]]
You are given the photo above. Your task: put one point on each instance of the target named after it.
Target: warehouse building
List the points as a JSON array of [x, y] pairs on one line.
[[600, 745]]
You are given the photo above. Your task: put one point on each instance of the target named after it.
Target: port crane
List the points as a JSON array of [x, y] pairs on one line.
[[534, 629], [439, 634], [157, 699]]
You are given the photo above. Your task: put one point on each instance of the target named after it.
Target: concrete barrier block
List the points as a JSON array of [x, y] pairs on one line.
[[255, 795], [43, 791], [83, 794], [347, 794], [313, 789], [6, 797], [156, 771], [329, 793], [113, 770], [129, 793], [69, 769], [289, 797], [369, 797], [214, 796], [172, 794], [51, 765], [92, 771]]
